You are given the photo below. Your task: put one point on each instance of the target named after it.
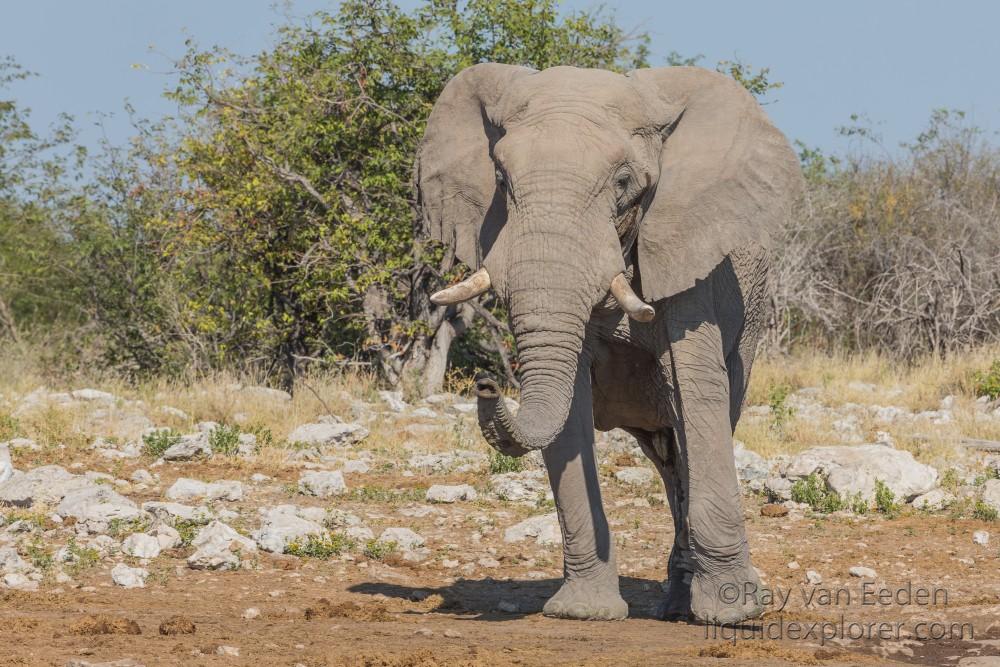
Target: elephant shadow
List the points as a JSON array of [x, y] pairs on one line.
[[506, 600]]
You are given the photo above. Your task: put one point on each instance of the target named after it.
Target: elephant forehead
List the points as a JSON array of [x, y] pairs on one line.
[[591, 94]]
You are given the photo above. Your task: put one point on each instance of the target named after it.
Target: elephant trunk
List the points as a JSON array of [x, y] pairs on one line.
[[551, 297]]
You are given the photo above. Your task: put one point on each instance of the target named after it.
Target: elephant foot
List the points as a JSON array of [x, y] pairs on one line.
[[583, 600], [726, 597], [676, 606]]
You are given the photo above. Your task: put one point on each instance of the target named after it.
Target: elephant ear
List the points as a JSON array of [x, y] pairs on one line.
[[455, 174], [727, 177]]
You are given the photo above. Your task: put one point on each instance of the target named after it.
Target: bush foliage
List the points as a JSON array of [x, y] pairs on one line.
[[270, 226]]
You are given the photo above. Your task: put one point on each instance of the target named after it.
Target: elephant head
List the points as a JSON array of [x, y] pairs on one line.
[[553, 184]]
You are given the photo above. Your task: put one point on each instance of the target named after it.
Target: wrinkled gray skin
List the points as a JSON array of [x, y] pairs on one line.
[[555, 182]]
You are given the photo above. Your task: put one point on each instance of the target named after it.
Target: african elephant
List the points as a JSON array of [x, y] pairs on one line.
[[578, 194]]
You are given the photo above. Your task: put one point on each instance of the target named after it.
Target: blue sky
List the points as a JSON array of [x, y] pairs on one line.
[[891, 60]]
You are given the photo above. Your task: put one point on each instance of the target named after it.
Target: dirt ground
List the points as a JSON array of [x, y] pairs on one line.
[[314, 612]]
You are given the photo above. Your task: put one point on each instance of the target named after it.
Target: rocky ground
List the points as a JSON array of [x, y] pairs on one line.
[[233, 524]]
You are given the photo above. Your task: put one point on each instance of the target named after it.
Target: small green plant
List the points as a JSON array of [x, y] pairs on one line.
[[950, 480], [81, 558], [501, 463], [885, 500], [984, 512], [188, 529], [265, 438], [777, 400], [812, 491], [119, 527], [157, 442], [375, 550], [319, 545], [858, 504], [38, 554], [9, 427], [987, 383], [225, 440]]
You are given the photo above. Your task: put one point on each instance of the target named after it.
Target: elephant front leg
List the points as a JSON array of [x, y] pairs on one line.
[[724, 584], [590, 586]]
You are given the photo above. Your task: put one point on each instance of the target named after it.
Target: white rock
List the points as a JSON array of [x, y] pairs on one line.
[[185, 489], [166, 536], [95, 507], [544, 528], [143, 477], [357, 467], [251, 613], [780, 487], [529, 485], [981, 537], [863, 572], [461, 460], [323, 483], [750, 466], [934, 500], [442, 493], [190, 447], [851, 470], [11, 562], [793, 565], [93, 395], [171, 512], [403, 537], [394, 400], [427, 413], [45, 484], [217, 545], [228, 651], [282, 525], [814, 577], [19, 581], [141, 545], [325, 434], [991, 493], [6, 466], [129, 577], [635, 476]]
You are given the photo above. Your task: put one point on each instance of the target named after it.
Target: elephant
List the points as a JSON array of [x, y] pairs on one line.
[[625, 221]]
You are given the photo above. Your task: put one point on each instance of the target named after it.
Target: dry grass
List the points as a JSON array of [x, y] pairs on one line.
[[868, 379]]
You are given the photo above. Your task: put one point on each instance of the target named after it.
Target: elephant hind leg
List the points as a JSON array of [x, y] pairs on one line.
[[661, 448]]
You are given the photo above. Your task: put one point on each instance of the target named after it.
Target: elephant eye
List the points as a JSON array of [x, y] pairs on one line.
[[621, 185]]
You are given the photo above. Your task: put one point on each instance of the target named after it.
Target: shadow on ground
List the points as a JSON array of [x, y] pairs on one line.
[[519, 597]]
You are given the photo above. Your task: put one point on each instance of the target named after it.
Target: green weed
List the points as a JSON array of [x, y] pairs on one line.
[[320, 545]]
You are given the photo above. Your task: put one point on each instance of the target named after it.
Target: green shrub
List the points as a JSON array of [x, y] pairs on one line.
[[885, 500], [157, 442], [812, 491], [777, 400], [320, 545], [375, 550], [984, 512], [501, 463], [9, 427], [987, 383], [82, 558], [188, 529], [119, 528], [38, 554], [225, 440]]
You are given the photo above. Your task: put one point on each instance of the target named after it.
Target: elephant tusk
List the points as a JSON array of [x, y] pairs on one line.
[[629, 301], [469, 288]]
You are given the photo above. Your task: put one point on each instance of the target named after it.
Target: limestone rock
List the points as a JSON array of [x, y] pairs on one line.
[[323, 483], [543, 528], [442, 493]]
